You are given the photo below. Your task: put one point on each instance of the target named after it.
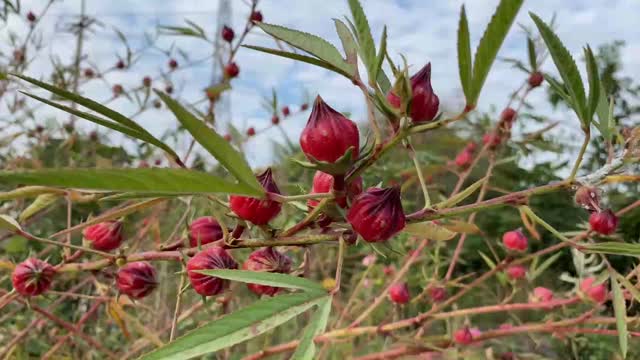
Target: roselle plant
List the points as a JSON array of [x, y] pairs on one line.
[[384, 239]]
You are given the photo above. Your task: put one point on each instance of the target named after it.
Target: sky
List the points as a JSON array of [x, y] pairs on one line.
[[420, 30]]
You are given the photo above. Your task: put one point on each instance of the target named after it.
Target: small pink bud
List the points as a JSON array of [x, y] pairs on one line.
[[146, 81], [285, 111], [505, 326], [492, 139], [137, 279], [204, 229], [389, 270], [541, 294], [323, 183], [251, 131], [471, 147], [597, 293], [168, 89], [104, 236], [603, 222], [464, 159], [32, 277], [231, 70], [88, 73], [328, 134], [267, 260], [117, 90], [31, 17], [369, 260], [212, 258], [228, 137], [437, 294], [463, 336], [399, 293], [256, 16], [515, 240], [120, 64], [508, 115], [516, 272], [275, 120], [257, 211], [173, 64], [535, 79], [227, 34], [304, 107], [377, 214]]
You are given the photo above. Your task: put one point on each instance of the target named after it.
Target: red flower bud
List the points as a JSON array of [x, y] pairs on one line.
[[492, 139], [32, 277], [173, 64], [212, 258], [588, 197], [286, 111], [464, 158], [137, 279], [516, 272], [535, 79], [541, 294], [168, 89], [228, 137], [389, 270], [508, 115], [31, 17], [515, 240], [323, 183], [146, 81], [304, 107], [120, 64], [204, 229], [471, 147], [399, 293], [597, 293], [603, 222], [251, 131], [104, 236], [256, 16], [424, 102], [117, 90], [377, 214], [157, 104], [464, 336], [257, 211], [227, 34], [437, 294], [328, 134], [275, 120], [88, 73], [231, 70], [267, 260]]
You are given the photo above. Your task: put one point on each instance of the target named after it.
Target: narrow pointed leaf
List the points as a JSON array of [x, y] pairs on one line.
[[299, 57], [594, 83], [613, 248], [266, 278], [237, 327], [620, 311], [452, 201], [365, 39], [348, 42], [381, 77], [215, 144], [430, 230], [40, 203], [531, 49], [490, 43], [464, 53], [8, 223], [306, 349]]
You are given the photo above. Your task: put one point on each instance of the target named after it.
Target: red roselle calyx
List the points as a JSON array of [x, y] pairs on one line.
[[231, 70], [588, 197], [328, 134], [204, 230], [516, 272], [137, 279], [377, 214], [173, 64], [437, 294], [117, 90], [267, 260], [424, 102], [286, 111], [597, 293], [31, 17], [541, 294], [251, 131], [256, 16], [32, 277], [104, 236], [212, 258], [464, 158], [399, 293], [257, 211], [465, 336], [535, 79], [323, 183], [120, 64], [508, 116], [603, 222], [515, 240], [492, 140], [275, 120], [227, 33]]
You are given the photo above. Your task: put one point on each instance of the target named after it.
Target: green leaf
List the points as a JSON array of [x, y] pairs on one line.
[[348, 42], [266, 278], [40, 203], [430, 230], [629, 286], [8, 223], [312, 44], [28, 192], [559, 88], [566, 67], [381, 77], [135, 180], [594, 83], [613, 248], [306, 349], [300, 57], [490, 43], [452, 201], [237, 327], [620, 310], [215, 144], [365, 39], [531, 49], [464, 53], [544, 266]]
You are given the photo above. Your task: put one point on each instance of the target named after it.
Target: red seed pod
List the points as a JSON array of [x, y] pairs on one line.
[[285, 111], [492, 139], [535, 79], [251, 131], [377, 214], [323, 184], [463, 336], [437, 294], [328, 134], [117, 89], [424, 102], [104, 236], [541, 294], [31, 17], [515, 240], [508, 115], [596, 292], [32, 277], [204, 229], [120, 64], [231, 70], [256, 16], [257, 211], [146, 81], [267, 260], [173, 64], [227, 34], [603, 222], [137, 279], [212, 258], [275, 120], [516, 272], [464, 158], [588, 197], [399, 293], [88, 73]]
